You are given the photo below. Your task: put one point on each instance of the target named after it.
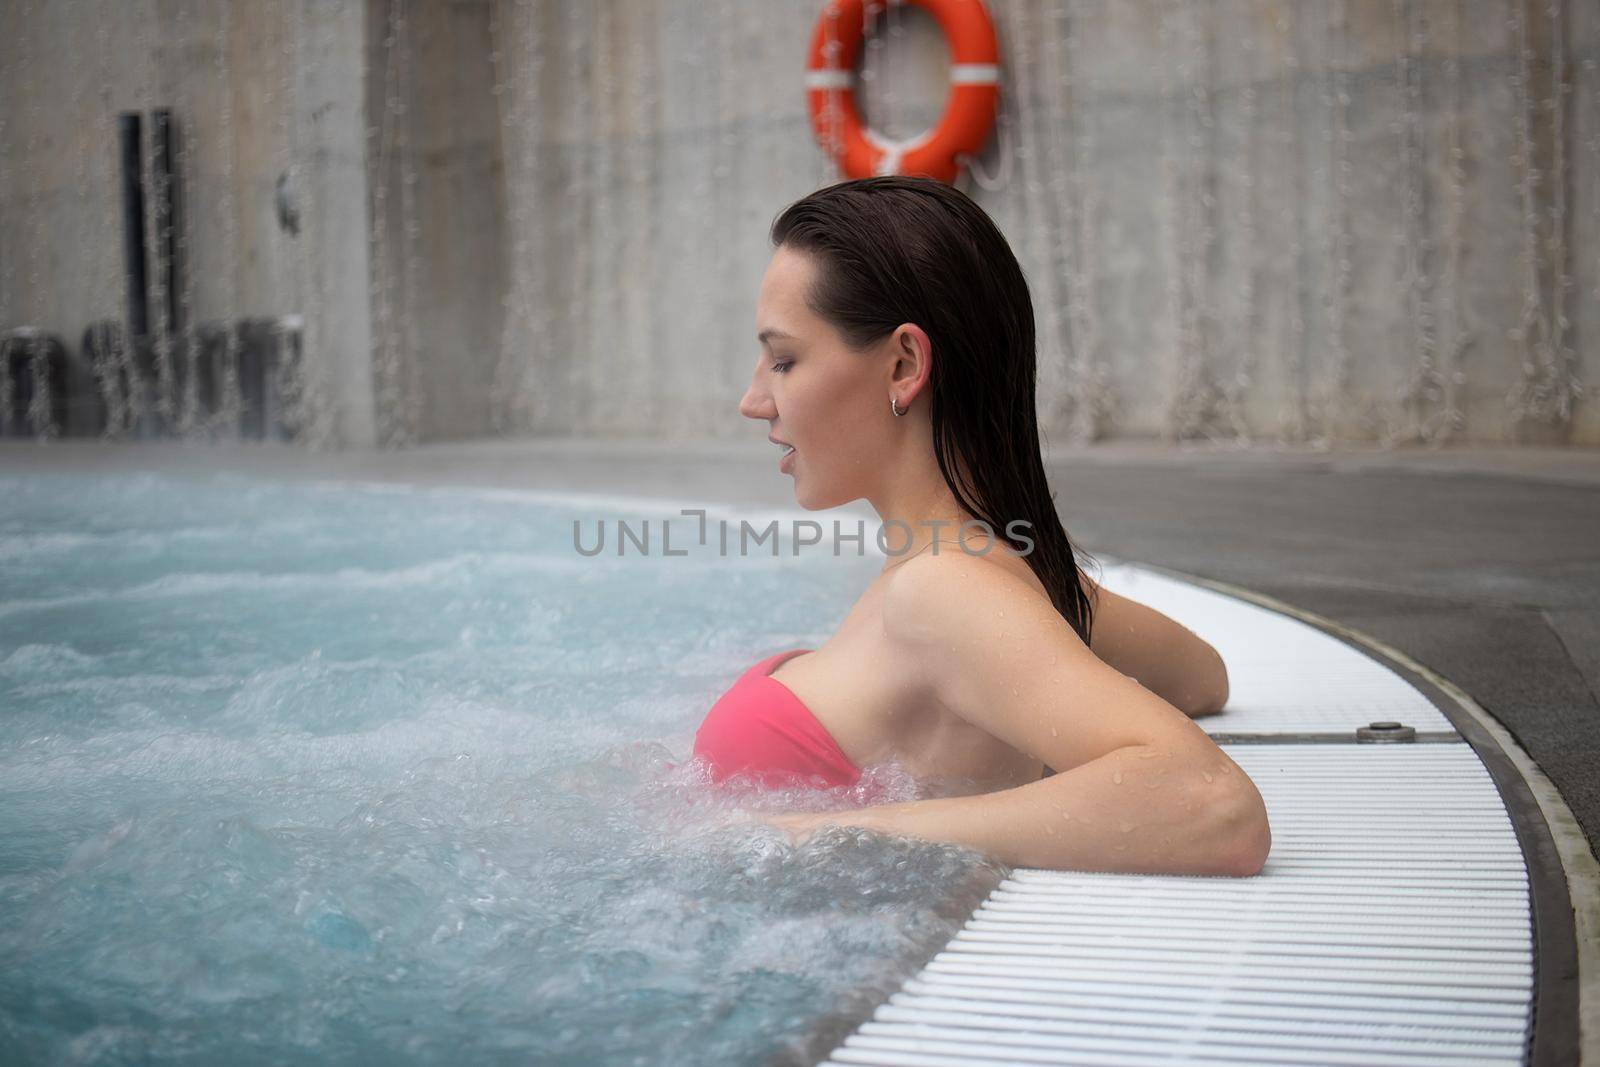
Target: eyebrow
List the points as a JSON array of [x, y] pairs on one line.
[[765, 335]]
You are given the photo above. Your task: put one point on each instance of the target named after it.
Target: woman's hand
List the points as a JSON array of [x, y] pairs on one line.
[[799, 825]]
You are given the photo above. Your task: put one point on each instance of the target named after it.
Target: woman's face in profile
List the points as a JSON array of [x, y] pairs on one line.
[[830, 403]]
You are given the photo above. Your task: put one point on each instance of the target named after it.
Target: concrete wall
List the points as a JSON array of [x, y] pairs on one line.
[[439, 188], [259, 91], [1240, 219], [550, 217]]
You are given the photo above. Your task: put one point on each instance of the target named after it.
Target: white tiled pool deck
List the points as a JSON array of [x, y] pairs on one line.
[[1392, 923]]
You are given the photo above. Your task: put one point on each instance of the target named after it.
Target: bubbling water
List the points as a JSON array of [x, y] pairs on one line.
[[341, 774]]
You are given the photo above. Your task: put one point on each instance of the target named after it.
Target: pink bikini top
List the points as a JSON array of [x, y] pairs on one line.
[[760, 728]]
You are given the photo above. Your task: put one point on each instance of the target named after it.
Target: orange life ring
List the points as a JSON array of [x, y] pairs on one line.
[[968, 113]]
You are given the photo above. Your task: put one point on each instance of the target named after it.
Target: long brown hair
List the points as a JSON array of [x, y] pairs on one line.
[[896, 249]]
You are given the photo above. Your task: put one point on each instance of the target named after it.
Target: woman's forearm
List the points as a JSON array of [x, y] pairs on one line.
[[1184, 670], [1200, 684], [1161, 654], [1137, 810]]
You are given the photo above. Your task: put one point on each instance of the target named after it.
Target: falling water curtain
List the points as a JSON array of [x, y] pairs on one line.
[[1241, 221]]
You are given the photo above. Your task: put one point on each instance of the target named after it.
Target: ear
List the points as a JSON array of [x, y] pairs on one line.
[[913, 361]]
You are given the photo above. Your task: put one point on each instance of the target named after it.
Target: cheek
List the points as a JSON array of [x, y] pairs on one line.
[[843, 435], [806, 409], [843, 404], [831, 416]]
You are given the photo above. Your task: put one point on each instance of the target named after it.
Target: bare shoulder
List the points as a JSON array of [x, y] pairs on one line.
[[923, 594], [996, 652]]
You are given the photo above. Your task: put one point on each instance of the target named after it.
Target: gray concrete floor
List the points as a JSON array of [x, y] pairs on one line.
[[1482, 564]]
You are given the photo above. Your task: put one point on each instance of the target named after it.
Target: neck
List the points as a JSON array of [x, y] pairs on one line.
[[914, 503], [920, 511]]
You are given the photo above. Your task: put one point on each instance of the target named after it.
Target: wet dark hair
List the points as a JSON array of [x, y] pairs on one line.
[[894, 249]]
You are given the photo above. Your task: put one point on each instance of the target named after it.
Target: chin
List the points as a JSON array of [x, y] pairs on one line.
[[814, 501]]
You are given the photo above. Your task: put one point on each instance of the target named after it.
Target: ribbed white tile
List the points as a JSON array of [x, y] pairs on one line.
[[1391, 925], [1284, 676]]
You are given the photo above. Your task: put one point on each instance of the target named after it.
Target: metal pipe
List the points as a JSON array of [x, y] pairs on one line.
[[130, 129], [163, 133]]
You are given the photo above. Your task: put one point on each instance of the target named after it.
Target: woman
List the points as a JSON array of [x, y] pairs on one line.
[[898, 365]]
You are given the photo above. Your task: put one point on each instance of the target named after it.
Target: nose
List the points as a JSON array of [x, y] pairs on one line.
[[757, 402]]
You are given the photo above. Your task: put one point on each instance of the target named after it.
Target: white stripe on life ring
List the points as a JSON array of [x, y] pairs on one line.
[[830, 79], [960, 74], [974, 74], [896, 148]]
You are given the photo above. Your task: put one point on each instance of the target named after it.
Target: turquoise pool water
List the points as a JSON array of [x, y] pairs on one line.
[[296, 772]]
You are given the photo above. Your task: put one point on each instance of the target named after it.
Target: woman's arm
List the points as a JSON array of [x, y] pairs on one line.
[[1144, 789], [1130, 811], [1159, 653]]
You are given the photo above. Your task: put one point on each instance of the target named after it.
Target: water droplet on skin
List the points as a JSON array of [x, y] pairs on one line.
[[1150, 755], [1206, 775], [1054, 732], [1116, 779], [1226, 769], [1066, 815], [1122, 848], [1051, 830], [1125, 826], [1152, 785]]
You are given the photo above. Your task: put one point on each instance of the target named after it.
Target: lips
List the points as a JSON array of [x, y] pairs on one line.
[[784, 460]]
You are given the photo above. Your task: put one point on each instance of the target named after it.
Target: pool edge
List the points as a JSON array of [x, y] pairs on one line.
[[1563, 873]]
